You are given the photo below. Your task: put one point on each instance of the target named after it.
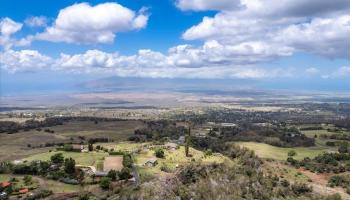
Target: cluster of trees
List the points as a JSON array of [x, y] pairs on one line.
[[336, 136], [57, 168], [157, 130], [13, 127], [327, 162]]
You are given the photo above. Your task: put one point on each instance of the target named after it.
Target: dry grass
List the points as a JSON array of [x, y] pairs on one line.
[[113, 163]]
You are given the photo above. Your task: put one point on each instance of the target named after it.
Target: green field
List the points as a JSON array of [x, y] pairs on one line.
[[56, 186], [278, 153], [86, 159], [15, 146]]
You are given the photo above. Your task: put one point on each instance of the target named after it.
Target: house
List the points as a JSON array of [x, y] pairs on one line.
[[5, 185], [23, 191], [171, 146], [151, 162]]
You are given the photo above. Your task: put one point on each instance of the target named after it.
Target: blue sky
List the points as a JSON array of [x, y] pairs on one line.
[[55, 45]]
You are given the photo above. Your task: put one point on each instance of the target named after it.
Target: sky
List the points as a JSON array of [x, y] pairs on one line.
[[294, 45]]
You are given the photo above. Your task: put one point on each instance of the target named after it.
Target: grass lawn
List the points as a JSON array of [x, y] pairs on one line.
[[278, 153], [87, 159], [56, 186], [19, 145]]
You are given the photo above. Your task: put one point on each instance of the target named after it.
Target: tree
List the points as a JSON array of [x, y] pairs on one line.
[[112, 174], [125, 173], [91, 147], [188, 141], [57, 158], [105, 182], [127, 161], [159, 153], [69, 165], [292, 153]]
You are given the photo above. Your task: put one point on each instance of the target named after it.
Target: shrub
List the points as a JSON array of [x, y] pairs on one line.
[[292, 153], [69, 165], [159, 153], [105, 182], [125, 173], [57, 158], [301, 188], [339, 180], [112, 174]]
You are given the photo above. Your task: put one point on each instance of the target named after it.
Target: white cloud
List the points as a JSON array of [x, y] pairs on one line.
[[8, 27], [83, 23], [342, 72], [201, 5], [23, 60], [324, 36], [36, 21], [179, 62], [312, 71], [318, 27]]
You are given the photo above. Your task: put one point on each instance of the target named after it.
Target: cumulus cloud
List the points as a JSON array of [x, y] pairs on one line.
[[36, 21], [146, 63], [23, 60], [318, 27], [201, 5], [8, 27], [324, 36], [83, 23]]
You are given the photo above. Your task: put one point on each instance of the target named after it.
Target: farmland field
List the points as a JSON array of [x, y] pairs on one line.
[[25, 143], [86, 159], [279, 153]]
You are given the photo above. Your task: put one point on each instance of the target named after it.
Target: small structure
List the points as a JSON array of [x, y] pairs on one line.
[[23, 191], [171, 146], [4, 185], [101, 174], [151, 162], [181, 140]]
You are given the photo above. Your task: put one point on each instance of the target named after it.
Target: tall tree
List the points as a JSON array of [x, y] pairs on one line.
[[187, 143]]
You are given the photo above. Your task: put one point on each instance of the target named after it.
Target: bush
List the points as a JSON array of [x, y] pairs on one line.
[[105, 182], [127, 161], [69, 165], [57, 158], [159, 153], [301, 188], [339, 180], [112, 174], [125, 173], [84, 196], [292, 153]]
